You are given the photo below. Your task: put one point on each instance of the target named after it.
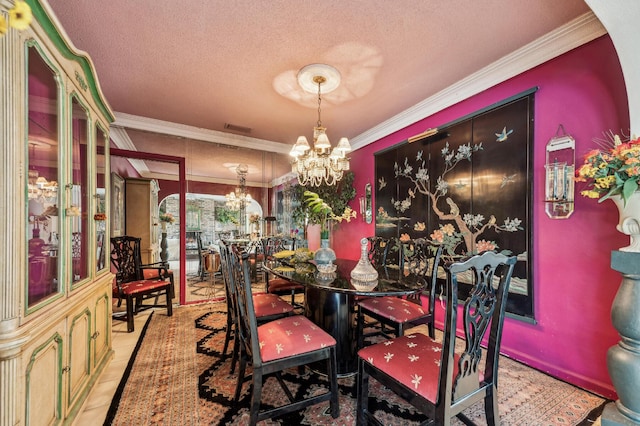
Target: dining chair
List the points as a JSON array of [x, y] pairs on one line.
[[430, 374], [419, 261], [130, 283], [280, 286], [267, 307], [278, 345], [378, 249]]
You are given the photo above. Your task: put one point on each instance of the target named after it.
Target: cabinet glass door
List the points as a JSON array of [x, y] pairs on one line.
[[42, 186], [78, 205], [100, 216]]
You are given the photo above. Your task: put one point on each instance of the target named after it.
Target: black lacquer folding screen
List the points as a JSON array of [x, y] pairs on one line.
[[468, 187]]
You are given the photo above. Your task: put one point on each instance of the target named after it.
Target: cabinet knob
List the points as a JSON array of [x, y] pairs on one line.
[[95, 335]]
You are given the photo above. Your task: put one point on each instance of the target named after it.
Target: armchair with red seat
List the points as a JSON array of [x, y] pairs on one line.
[[132, 284]]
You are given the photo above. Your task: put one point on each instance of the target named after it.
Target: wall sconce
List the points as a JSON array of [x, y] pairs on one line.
[[366, 207], [559, 176]]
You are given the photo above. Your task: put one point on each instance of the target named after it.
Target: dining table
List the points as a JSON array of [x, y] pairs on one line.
[[330, 299]]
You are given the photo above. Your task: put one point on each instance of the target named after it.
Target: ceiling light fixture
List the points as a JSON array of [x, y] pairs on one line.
[[322, 164], [239, 198]]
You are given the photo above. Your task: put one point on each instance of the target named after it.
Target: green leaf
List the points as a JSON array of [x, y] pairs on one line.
[[630, 186]]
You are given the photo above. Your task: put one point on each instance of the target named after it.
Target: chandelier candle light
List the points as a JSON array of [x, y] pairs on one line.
[[322, 164], [239, 198]]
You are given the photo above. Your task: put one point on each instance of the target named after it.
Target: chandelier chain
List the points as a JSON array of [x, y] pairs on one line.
[[319, 104]]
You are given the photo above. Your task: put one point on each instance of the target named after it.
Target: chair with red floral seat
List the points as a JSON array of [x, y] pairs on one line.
[[280, 286], [267, 307], [277, 345], [430, 374], [130, 284], [419, 259]]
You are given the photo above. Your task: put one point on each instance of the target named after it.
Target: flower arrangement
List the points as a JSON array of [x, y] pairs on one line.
[[254, 218], [167, 218], [19, 17], [318, 205], [611, 171]]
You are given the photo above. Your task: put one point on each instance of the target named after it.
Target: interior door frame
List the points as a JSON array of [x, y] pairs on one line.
[[182, 180]]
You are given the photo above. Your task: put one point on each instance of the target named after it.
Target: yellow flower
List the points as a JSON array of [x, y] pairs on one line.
[[448, 229], [590, 194], [20, 16], [3, 26], [405, 237]]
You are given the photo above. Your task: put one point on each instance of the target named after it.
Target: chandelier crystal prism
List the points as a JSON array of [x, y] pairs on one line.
[[320, 164]]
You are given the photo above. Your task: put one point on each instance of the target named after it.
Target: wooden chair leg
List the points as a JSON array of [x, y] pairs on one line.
[[256, 396], [130, 311], [491, 408], [241, 370], [227, 336], [333, 385], [236, 349], [362, 405], [360, 328], [167, 294]]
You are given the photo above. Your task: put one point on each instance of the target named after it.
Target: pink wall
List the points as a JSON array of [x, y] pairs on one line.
[[573, 283]]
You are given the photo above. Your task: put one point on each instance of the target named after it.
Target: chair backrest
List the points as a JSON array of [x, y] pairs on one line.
[[247, 325], [276, 244], [420, 260], [489, 274], [378, 247], [225, 267], [125, 258], [394, 249]]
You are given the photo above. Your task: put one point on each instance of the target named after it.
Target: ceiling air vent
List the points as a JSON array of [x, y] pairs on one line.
[[236, 128]]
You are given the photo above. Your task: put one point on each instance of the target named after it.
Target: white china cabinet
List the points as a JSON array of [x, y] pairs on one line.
[[55, 282]]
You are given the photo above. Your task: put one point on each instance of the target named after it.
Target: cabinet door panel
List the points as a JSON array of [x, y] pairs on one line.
[[44, 383], [101, 331], [79, 354]]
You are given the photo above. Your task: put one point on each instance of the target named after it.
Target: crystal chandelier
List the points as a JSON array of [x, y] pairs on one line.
[[238, 199], [322, 164], [39, 188]]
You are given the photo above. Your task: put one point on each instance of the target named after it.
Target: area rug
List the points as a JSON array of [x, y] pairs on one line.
[[180, 377]]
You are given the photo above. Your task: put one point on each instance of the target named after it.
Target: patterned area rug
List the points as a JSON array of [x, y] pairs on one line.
[[179, 377]]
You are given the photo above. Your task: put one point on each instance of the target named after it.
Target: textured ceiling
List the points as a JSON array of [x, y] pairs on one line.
[[207, 63]]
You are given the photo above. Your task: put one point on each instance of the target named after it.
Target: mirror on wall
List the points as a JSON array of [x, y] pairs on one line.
[[368, 205]]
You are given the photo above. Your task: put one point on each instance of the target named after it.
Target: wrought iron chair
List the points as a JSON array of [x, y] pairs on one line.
[[420, 259], [272, 347], [280, 286], [430, 374], [267, 306], [131, 285]]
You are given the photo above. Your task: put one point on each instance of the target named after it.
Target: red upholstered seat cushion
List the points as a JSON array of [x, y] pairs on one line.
[[413, 360], [135, 287], [265, 305], [394, 308], [291, 336], [149, 274], [282, 285]]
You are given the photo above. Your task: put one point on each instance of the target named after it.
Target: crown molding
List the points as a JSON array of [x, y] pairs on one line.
[[196, 133], [575, 33], [121, 139]]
